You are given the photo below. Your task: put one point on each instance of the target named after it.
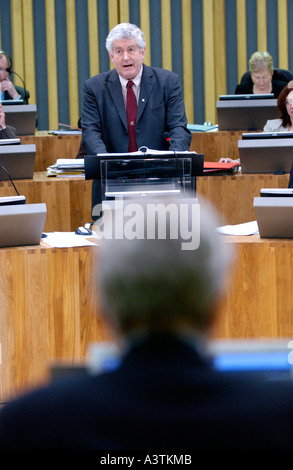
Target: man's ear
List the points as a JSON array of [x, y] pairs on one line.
[[111, 57]]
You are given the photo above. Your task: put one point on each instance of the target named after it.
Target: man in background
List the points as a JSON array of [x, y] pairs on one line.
[[108, 126], [9, 91]]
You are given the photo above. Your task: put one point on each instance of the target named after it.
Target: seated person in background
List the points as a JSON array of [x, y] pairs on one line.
[[9, 91], [261, 71], [285, 106], [160, 297], [6, 132]]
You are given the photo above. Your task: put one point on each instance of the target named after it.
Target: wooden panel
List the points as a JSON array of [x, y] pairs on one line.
[[93, 37], [262, 39], [52, 65], [187, 59], [72, 63], [29, 55], [233, 195], [113, 9], [50, 306], [283, 34], [220, 49], [166, 34], [17, 39], [209, 61], [68, 200], [49, 311], [145, 27], [124, 11], [49, 148], [215, 145], [259, 300], [241, 38]]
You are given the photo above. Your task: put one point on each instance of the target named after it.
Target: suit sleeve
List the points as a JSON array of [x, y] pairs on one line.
[[176, 117], [91, 123]]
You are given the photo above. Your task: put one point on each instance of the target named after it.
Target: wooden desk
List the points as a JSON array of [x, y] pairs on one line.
[[50, 307], [51, 147], [233, 195], [213, 145], [49, 311], [69, 199], [259, 303]]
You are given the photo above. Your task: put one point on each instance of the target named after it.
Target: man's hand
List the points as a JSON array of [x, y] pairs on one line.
[[8, 86]]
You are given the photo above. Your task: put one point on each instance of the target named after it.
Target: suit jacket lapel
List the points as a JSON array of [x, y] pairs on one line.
[[146, 87], [114, 87]]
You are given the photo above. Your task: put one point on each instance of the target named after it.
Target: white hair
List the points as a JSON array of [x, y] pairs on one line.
[[152, 283], [125, 31]]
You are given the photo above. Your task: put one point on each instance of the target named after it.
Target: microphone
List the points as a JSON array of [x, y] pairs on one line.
[[167, 137], [4, 169]]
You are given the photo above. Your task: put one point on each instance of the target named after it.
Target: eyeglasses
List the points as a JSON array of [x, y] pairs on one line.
[[289, 102], [130, 51]]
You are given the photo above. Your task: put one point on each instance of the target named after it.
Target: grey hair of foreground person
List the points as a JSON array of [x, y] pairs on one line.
[[125, 31], [154, 285]]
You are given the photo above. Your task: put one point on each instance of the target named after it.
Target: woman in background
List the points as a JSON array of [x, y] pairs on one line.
[[261, 72], [285, 105]]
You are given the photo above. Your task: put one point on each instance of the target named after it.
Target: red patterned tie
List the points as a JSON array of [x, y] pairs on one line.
[[131, 110]]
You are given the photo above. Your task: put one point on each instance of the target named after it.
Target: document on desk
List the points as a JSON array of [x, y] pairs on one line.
[[248, 228], [68, 239], [65, 132]]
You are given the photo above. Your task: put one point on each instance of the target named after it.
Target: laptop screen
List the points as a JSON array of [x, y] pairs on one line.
[[266, 96], [245, 114], [268, 359]]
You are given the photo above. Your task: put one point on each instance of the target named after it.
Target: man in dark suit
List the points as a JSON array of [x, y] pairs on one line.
[[9, 91], [159, 294], [160, 107]]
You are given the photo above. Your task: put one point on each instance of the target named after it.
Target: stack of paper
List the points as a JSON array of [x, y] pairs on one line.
[[66, 167]]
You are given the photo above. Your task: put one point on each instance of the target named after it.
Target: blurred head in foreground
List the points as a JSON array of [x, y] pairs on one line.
[[162, 266]]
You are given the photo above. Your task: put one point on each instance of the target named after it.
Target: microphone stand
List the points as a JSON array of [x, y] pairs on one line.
[[168, 139]]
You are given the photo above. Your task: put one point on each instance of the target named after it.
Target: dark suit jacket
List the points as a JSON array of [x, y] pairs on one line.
[[8, 133], [21, 91], [246, 88], [163, 397], [160, 109]]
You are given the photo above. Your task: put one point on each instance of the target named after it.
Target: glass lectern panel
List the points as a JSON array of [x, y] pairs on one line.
[[152, 176]]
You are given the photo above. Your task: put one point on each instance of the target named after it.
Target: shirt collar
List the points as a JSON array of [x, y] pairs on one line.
[[135, 80]]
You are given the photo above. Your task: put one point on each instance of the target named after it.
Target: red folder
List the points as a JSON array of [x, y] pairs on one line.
[[220, 168]]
